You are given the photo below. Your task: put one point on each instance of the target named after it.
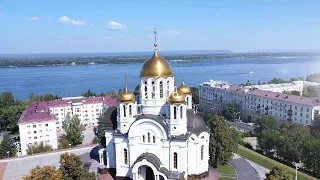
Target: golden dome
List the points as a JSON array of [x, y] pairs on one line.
[[137, 90], [184, 89], [156, 67], [176, 98], [126, 96]]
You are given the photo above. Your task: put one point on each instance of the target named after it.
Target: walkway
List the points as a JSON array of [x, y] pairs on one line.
[[247, 170], [17, 167]]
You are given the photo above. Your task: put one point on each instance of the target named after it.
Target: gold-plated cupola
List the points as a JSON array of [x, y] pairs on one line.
[[126, 96], [184, 89], [176, 98], [156, 66]]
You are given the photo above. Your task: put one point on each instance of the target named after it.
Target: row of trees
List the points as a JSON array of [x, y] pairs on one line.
[[70, 169], [290, 144]]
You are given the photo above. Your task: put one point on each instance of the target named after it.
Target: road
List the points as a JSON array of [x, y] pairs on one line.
[[15, 168], [240, 126]]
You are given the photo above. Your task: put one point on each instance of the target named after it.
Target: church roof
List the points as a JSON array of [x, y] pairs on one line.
[[153, 159], [160, 119], [195, 123], [109, 118]]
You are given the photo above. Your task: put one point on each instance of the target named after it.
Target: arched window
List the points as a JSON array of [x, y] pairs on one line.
[[130, 110], [146, 92], [153, 93], [181, 112], [201, 153], [148, 137], [125, 155], [154, 139], [174, 112], [175, 160], [161, 89], [143, 138], [124, 111], [168, 83]]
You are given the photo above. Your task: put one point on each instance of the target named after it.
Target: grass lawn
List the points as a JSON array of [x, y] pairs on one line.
[[268, 163], [225, 178], [226, 169]]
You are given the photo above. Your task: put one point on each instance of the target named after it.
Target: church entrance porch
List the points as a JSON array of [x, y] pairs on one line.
[[144, 170], [145, 173]]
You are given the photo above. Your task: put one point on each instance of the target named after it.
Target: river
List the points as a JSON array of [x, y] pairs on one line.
[[72, 80]]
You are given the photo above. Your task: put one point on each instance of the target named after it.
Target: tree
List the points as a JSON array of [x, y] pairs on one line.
[[248, 83], [259, 83], [49, 97], [195, 95], [313, 77], [7, 145], [88, 93], [277, 81], [70, 165], [311, 156], [267, 140], [297, 93], [229, 111], [267, 122], [6, 99], [38, 148], [294, 79], [63, 144], [222, 145], [278, 173], [9, 117], [73, 130], [43, 173]]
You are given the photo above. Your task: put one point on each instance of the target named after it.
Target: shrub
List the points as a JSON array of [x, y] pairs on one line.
[[38, 148]]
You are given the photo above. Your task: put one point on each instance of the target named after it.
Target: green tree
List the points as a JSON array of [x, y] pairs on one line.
[[222, 145], [43, 173], [49, 97], [9, 117], [63, 144], [229, 111], [311, 156], [313, 77], [6, 99], [70, 165], [7, 145], [112, 93], [73, 130], [267, 122], [88, 93], [278, 173], [267, 139], [195, 95], [294, 79], [277, 81], [297, 93], [38, 148]]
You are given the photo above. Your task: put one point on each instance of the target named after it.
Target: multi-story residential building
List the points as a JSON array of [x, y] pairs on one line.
[[41, 120], [279, 88], [253, 103]]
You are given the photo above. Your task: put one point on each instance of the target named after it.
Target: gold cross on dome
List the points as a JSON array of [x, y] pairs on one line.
[[125, 79], [155, 38]]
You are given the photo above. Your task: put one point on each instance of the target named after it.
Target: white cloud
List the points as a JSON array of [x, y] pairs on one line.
[[115, 26], [33, 19], [173, 32], [66, 20]]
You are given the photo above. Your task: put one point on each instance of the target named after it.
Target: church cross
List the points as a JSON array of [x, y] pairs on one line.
[[155, 38], [125, 79]]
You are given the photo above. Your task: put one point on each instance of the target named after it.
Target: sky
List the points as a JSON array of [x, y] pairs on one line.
[[62, 26]]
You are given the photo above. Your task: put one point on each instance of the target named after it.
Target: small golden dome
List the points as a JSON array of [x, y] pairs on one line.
[[156, 67], [184, 89], [137, 90], [176, 98], [126, 96]]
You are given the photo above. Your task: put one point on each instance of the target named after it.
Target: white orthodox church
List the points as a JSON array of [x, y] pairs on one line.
[[158, 135]]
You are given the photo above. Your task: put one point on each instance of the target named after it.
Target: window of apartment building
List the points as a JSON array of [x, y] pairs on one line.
[[34, 126], [29, 132], [28, 126], [301, 108], [41, 137], [46, 125], [29, 138], [295, 113], [295, 108], [35, 137], [56, 110], [47, 136], [307, 122], [61, 114], [307, 115], [307, 109], [40, 125], [300, 120], [40, 131], [300, 114], [34, 132]]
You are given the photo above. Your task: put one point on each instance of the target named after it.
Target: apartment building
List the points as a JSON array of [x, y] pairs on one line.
[[252, 103], [41, 120]]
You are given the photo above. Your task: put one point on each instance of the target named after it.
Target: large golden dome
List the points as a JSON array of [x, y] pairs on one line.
[[126, 96], [184, 89], [156, 67], [137, 90], [176, 98]]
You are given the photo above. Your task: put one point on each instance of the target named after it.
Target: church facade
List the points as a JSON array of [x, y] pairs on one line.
[[158, 135]]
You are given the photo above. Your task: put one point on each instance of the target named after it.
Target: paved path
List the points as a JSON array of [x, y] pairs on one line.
[[18, 167], [245, 171]]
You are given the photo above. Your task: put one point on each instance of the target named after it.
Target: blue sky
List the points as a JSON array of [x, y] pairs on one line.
[[37, 26]]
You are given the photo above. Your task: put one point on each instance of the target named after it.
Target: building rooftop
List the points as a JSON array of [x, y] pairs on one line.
[[285, 97], [216, 84], [40, 111], [272, 86]]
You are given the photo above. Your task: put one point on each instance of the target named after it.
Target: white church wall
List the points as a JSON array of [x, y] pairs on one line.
[[192, 158], [122, 162], [110, 150], [179, 147], [203, 142]]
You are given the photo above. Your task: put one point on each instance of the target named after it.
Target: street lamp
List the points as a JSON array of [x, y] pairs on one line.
[[297, 165], [8, 154], [69, 145]]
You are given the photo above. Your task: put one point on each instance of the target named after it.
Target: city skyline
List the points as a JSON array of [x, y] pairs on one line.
[[59, 27]]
